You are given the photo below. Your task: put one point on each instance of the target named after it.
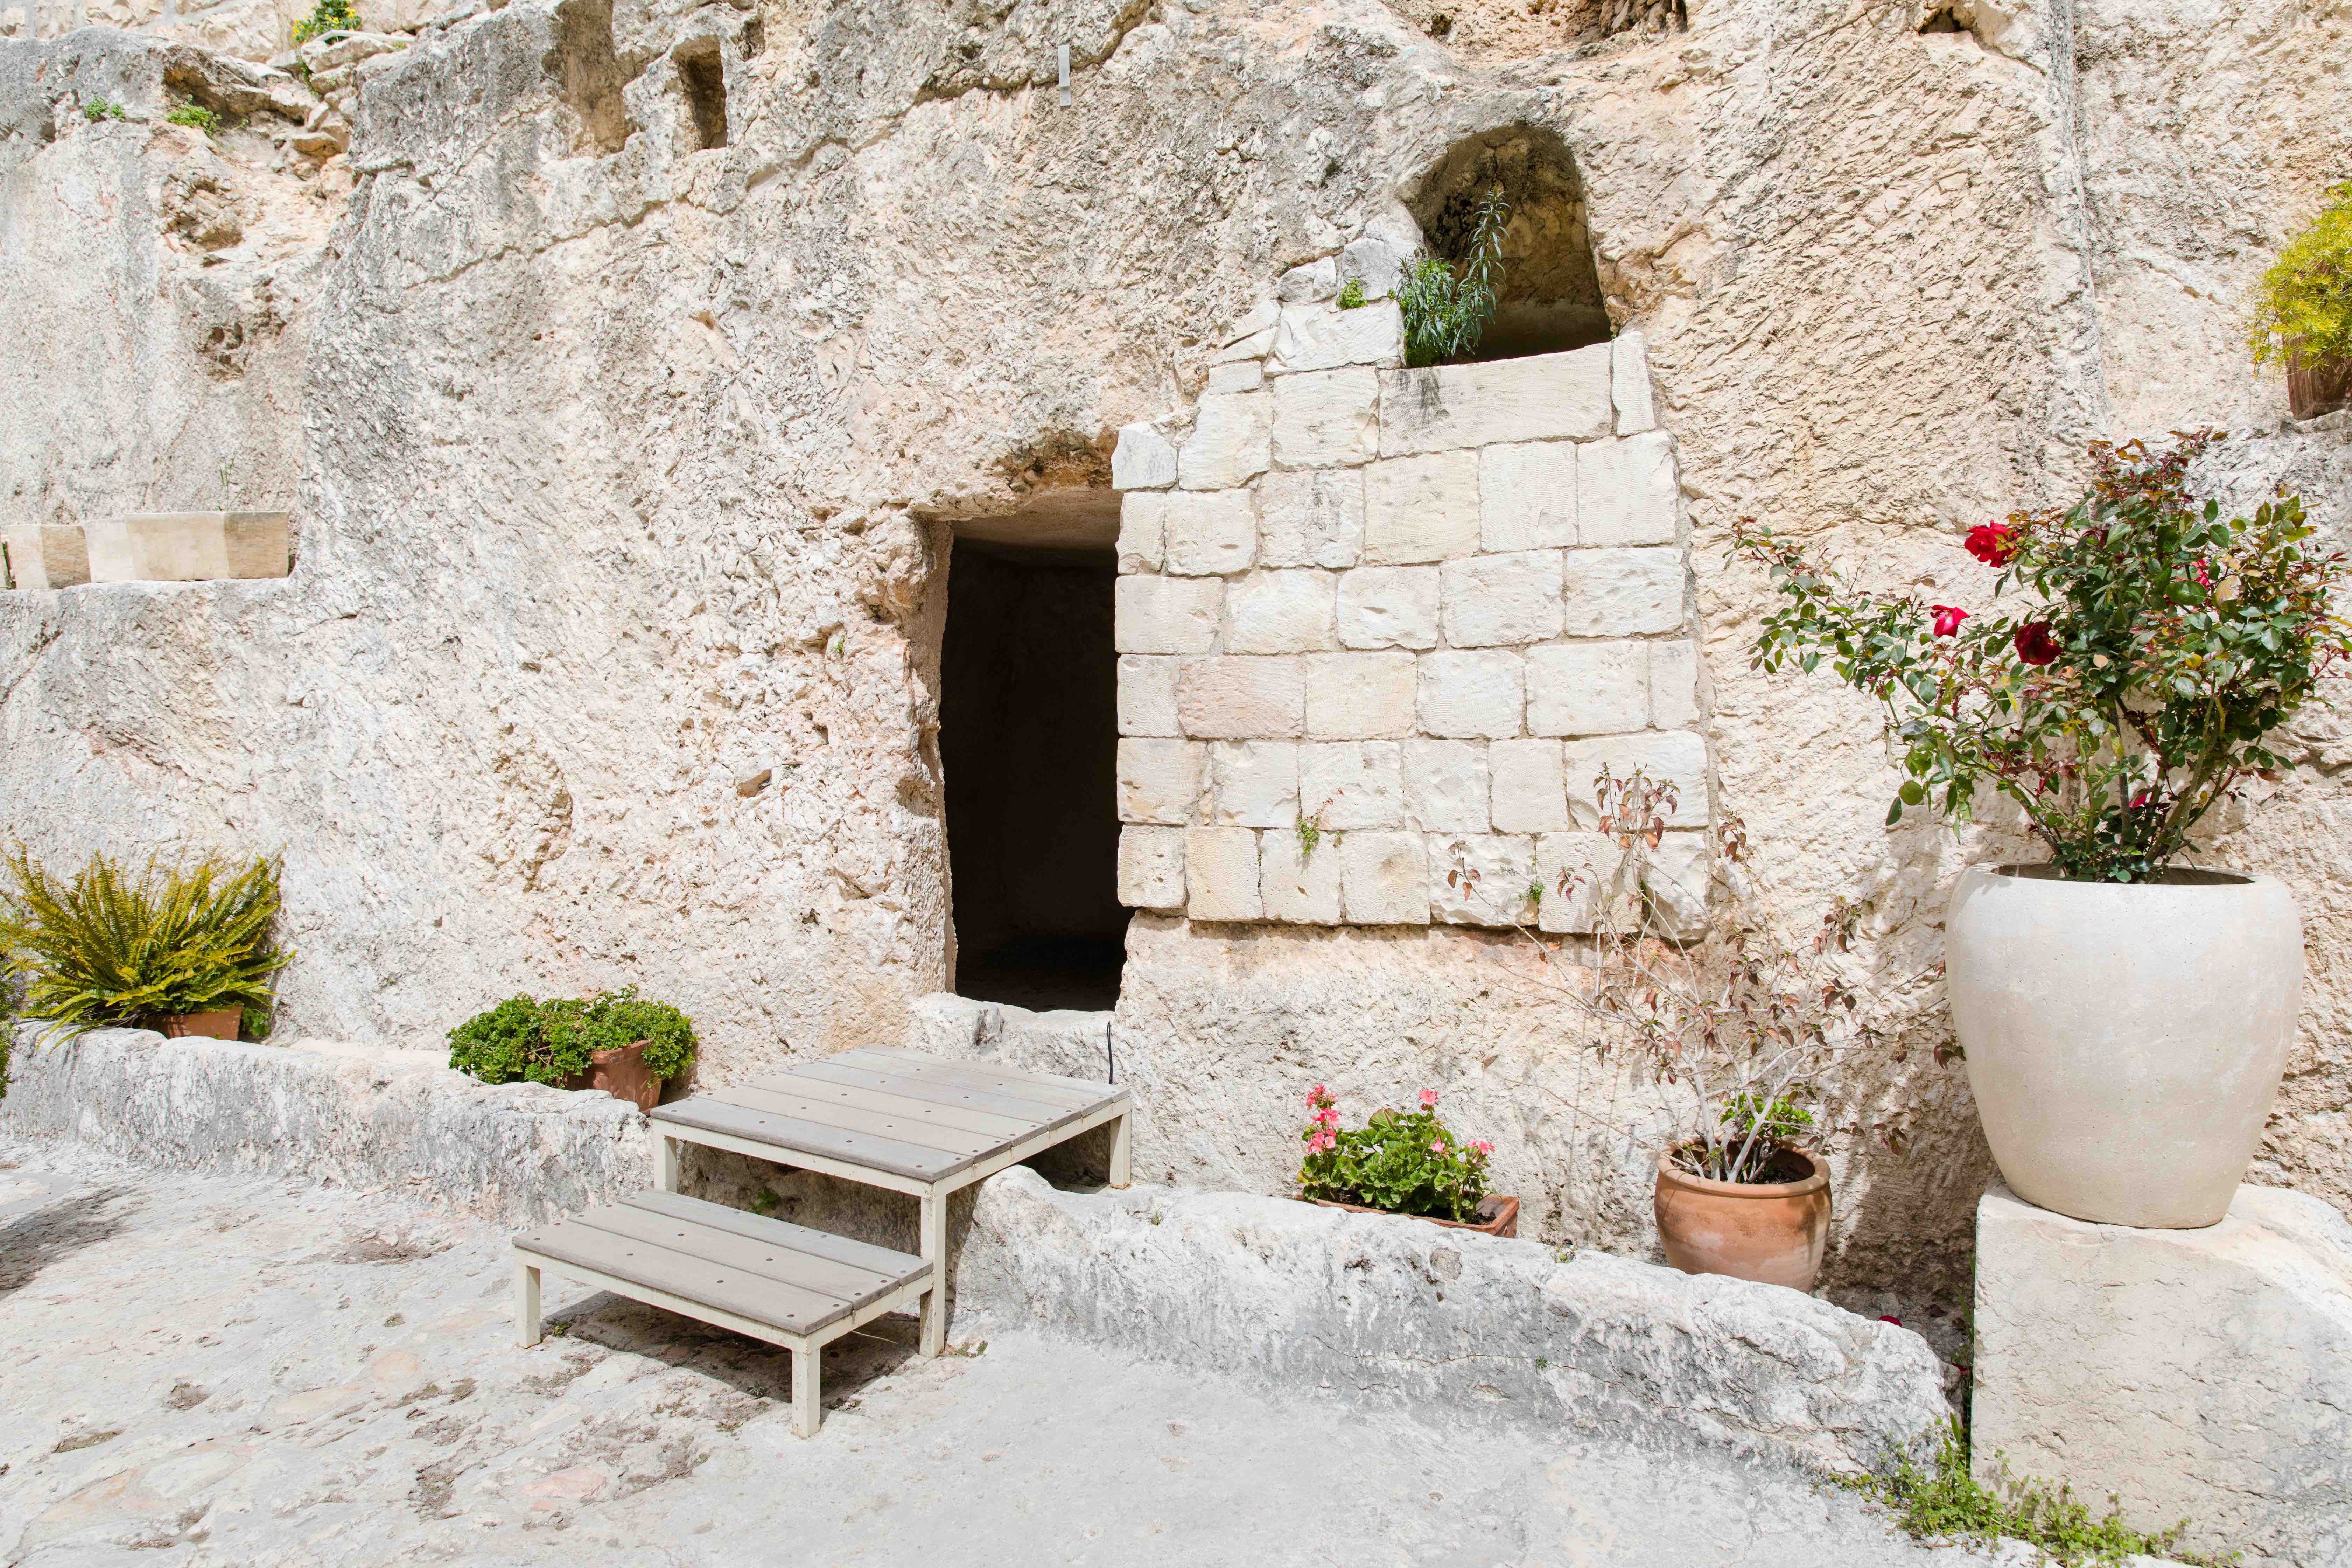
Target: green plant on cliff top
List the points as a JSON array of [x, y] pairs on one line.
[[112, 948], [551, 1041], [326, 17], [1446, 307], [1944, 1502], [104, 108], [195, 117], [2304, 301]]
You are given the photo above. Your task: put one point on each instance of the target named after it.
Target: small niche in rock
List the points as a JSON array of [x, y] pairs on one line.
[[1549, 299], [702, 75], [1029, 744], [589, 76]]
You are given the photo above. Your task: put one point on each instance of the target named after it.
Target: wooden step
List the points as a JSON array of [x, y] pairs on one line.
[[776, 1282]]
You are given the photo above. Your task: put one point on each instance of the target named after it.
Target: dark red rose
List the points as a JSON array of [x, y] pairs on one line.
[[1948, 618], [2034, 643], [1992, 543]]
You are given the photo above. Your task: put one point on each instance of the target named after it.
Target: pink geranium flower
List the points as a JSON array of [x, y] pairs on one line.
[[1428, 1098], [1482, 1147]]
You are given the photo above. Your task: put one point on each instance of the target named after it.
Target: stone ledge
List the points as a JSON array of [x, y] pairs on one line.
[[383, 1120], [1410, 1314]]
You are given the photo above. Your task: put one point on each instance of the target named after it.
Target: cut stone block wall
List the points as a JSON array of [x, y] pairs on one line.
[[1381, 629]]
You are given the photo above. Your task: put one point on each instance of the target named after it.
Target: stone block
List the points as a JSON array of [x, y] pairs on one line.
[[1674, 685], [1589, 688], [1241, 375], [1626, 492], [1144, 459], [1374, 263], [1421, 508], [1465, 694], [1143, 531], [1384, 879], [1221, 877], [1359, 696], [1574, 869], [1254, 783], [1211, 535], [1530, 793], [1496, 601], [1622, 593], [1159, 781], [1231, 443], [1297, 884], [2204, 1374], [1312, 517], [1527, 496], [1147, 694], [1280, 612], [46, 555], [1253, 347], [1324, 337], [1675, 756], [1389, 607], [1309, 281], [1628, 383], [1325, 419], [1482, 880], [188, 546], [1237, 699], [1166, 615], [1346, 784], [1151, 868], [1446, 788], [1543, 397], [1677, 876]]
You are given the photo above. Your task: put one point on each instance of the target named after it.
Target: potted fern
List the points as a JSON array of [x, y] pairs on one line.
[[614, 1041], [2303, 310], [187, 951]]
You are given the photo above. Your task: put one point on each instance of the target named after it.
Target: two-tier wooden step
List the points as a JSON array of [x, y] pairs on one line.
[[784, 1283], [879, 1116]]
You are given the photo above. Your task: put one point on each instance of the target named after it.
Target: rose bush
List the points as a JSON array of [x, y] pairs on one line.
[[2126, 697]]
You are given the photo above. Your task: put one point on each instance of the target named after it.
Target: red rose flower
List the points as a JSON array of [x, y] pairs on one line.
[[1948, 618], [1992, 543], [2034, 643]]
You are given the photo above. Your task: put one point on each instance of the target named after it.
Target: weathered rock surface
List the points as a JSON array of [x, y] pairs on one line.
[[1406, 1313], [373, 1121], [2204, 1374], [619, 464]]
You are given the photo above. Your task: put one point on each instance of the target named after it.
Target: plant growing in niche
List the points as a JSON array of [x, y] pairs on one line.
[[326, 17], [2128, 696], [109, 948], [1447, 309], [2302, 305], [551, 1042], [1403, 1163], [196, 116]]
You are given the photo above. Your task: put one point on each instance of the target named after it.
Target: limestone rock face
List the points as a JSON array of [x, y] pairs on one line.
[[624, 442], [1408, 1312], [2204, 1374]]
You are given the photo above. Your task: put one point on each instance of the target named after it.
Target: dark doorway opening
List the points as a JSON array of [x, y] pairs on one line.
[[1029, 738]]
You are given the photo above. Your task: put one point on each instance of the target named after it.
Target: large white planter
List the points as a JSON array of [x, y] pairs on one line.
[[2125, 1041]]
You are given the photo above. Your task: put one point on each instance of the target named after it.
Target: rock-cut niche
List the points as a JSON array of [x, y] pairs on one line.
[[1550, 297]]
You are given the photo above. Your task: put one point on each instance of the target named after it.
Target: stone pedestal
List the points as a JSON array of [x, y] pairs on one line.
[[2197, 1374]]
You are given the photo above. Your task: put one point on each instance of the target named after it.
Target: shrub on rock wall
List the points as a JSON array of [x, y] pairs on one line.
[[1447, 310], [109, 948], [326, 17], [551, 1042], [2303, 303]]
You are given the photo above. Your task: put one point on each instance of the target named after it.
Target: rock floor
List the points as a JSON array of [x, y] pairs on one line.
[[259, 1371]]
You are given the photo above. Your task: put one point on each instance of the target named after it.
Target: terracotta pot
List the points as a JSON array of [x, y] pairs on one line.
[[1497, 1215], [1773, 1232], [2124, 1040], [2315, 387], [220, 1023], [621, 1073]]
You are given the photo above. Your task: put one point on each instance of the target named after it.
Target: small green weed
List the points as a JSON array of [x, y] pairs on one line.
[[1351, 295], [104, 108], [195, 117], [765, 1202], [326, 17], [1945, 1503], [1447, 310]]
